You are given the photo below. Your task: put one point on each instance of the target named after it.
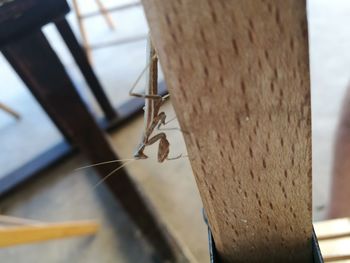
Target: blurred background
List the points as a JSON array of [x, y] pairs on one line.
[[60, 193]]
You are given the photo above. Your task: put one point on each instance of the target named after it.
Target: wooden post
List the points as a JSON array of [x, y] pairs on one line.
[[238, 76]]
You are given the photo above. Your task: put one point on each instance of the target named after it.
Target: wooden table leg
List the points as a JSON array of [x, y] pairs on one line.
[[82, 61], [40, 68]]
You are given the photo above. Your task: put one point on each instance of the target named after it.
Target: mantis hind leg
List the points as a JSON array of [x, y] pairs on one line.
[[163, 148]]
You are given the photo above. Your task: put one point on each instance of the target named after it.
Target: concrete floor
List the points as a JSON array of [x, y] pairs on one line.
[[62, 194]]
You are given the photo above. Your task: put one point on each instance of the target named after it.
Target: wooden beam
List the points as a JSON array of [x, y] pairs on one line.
[[16, 235], [238, 76]]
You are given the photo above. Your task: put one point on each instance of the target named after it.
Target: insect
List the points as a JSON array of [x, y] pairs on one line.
[[153, 118]]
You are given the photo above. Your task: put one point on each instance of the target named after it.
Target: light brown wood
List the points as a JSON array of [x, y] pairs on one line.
[[105, 14], [16, 235], [334, 239], [337, 258], [9, 111], [80, 18], [238, 76], [332, 228]]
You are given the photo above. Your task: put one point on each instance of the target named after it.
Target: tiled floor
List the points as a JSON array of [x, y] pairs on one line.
[[61, 194]]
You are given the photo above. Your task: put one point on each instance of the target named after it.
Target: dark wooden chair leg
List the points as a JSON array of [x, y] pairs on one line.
[[42, 71], [82, 61]]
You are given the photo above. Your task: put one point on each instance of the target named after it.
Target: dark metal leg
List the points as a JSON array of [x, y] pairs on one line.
[[40, 68], [81, 59]]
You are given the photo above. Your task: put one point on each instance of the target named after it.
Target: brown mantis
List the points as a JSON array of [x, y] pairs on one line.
[[153, 117]]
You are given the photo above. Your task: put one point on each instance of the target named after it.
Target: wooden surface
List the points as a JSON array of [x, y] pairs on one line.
[[15, 235], [238, 76], [334, 239]]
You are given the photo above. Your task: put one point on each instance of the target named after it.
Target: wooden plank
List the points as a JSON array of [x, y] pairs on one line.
[[238, 76], [15, 235], [334, 239], [331, 229]]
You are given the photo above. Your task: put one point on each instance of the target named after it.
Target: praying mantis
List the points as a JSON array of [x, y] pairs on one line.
[[152, 116]]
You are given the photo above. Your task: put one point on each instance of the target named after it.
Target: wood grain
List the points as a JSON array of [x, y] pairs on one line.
[[238, 76]]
